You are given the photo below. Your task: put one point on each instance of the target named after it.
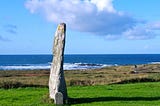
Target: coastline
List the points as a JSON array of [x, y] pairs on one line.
[[103, 76], [74, 62]]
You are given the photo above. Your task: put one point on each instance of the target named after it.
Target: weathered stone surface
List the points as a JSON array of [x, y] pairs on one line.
[[57, 81], [58, 98]]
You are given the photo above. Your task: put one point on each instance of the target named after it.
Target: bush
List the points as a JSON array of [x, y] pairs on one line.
[[137, 80], [10, 84], [80, 82], [16, 84]]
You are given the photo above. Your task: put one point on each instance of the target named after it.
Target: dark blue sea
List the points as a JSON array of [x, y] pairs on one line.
[[71, 62]]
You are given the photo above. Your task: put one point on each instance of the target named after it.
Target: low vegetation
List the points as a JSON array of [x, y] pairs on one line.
[[108, 75]]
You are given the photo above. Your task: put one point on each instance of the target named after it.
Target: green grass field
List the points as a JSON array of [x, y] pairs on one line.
[[138, 94]]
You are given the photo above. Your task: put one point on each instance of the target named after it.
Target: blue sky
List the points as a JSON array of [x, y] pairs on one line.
[[93, 26]]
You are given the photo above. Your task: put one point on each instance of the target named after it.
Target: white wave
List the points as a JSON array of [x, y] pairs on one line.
[[81, 66], [23, 67], [66, 66], [154, 63]]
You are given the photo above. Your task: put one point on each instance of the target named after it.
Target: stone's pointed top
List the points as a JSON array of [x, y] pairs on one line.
[[62, 27]]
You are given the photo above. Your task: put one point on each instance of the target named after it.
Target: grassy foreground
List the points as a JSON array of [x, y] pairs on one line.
[[138, 94]]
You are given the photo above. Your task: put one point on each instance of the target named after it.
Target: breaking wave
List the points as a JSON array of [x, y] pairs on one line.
[[66, 66], [154, 63]]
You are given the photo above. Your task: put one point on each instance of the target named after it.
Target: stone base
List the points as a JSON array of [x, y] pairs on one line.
[[58, 98]]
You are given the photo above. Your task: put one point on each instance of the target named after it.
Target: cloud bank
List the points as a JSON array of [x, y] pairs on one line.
[[98, 17]]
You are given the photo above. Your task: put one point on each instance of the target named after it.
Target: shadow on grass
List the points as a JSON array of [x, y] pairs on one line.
[[103, 99]]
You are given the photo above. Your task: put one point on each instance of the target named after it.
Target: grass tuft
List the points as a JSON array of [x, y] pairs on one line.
[[46, 99]]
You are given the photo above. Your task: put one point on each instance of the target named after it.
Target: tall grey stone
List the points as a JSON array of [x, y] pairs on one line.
[[57, 84]]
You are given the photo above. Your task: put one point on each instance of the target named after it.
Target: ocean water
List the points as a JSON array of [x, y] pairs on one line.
[[71, 62]]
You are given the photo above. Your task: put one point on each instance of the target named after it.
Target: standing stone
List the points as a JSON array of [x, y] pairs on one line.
[[57, 84]]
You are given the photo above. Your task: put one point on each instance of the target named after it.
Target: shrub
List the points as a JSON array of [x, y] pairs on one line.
[[80, 82], [10, 84], [137, 80]]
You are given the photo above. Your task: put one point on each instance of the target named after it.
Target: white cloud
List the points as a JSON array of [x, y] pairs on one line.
[[95, 16], [98, 17], [138, 33], [154, 25], [143, 32], [104, 5]]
